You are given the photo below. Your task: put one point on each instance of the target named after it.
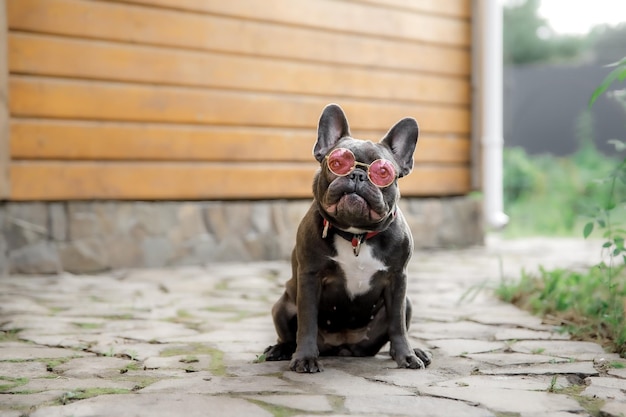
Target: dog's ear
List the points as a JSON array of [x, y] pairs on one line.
[[401, 140], [332, 126]]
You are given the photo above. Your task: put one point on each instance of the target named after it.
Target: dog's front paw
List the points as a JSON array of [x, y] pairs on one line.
[[305, 364], [424, 355], [412, 359]]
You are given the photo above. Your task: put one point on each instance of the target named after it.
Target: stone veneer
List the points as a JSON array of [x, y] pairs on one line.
[[87, 237]]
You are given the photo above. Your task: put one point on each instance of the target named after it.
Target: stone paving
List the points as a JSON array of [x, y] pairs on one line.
[[184, 341]]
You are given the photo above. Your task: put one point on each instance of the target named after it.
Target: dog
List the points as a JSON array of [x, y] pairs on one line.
[[347, 295]]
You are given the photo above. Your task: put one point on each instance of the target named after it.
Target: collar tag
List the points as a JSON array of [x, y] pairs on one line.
[[326, 227], [356, 244]]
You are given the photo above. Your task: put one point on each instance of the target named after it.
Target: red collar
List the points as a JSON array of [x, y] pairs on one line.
[[355, 239]]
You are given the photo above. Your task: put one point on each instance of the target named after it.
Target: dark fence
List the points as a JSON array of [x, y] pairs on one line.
[[544, 109]]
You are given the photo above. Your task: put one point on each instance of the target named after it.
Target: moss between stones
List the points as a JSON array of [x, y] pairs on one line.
[[11, 383], [217, 366], [591, 405], [276, 410], [81, 394], [10, 335], [88, 326]]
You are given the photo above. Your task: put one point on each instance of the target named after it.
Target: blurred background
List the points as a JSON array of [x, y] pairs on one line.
[[557, 146]]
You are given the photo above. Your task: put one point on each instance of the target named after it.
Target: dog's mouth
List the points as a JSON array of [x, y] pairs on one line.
[[353, 206]]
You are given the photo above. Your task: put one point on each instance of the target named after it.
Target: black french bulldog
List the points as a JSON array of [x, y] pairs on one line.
[[347, 295]]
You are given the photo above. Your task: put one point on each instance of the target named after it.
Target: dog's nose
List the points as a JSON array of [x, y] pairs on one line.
[[358, 175]]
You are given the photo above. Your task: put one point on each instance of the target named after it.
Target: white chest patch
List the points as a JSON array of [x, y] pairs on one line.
[[357, 269]]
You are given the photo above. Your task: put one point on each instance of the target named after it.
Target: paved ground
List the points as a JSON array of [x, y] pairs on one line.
[[184, 342]]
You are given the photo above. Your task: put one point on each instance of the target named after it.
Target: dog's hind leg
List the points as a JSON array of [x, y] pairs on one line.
[[286, 324]]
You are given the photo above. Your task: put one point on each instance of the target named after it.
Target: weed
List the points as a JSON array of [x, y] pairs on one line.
[[591, 404], [109, 353], [552, 388], [131, 354], [576, 301], [133, 366], [53, 363]]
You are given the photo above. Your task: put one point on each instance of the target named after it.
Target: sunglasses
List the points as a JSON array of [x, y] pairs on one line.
[[341, 162]]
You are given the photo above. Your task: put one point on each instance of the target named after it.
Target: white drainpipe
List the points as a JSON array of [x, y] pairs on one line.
[[491, 137]]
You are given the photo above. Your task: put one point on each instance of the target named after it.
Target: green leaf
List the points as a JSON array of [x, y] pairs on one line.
[[588, 229], [601, 223], [610, 205], [607, 245], [618, 74]]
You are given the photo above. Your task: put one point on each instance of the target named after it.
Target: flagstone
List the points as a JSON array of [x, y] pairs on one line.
[[563, 348], [512, 358], [613, 409], [310, 403], [417, 406], [155, 405], [507, 400], [577, 368], [458, 347], [606, 388]]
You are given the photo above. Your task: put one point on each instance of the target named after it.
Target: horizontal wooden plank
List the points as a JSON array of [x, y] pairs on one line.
[[51, 98], [172, 181], [452, 8], [123, 23], [45, 55], [350, 17], [152, 142]]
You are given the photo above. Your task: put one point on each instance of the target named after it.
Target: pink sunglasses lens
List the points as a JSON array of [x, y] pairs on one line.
[[382, 173], [341, 161]]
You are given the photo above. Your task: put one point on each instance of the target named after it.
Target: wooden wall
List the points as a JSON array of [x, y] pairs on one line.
[[213, 99], [4, 107]]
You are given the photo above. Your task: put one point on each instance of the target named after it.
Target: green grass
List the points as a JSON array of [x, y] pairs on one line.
[[582, 195], [553, 196], [582, 303]]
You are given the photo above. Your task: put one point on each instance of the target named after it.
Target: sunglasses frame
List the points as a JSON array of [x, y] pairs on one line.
[[363, 164]]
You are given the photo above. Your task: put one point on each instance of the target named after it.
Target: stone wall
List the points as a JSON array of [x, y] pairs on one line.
[[87, 237]]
